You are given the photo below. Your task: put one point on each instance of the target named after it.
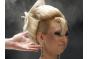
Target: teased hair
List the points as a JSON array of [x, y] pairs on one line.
[[38, 18]]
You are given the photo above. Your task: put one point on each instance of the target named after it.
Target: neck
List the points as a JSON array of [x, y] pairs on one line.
[[48, 56]]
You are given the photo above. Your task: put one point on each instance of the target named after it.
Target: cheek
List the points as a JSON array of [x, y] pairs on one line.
[[55, 44], [51, 40], [51, 44], [62, 44]]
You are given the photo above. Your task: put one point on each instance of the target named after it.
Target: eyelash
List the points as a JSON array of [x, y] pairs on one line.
[[66, 34], [59, 34]]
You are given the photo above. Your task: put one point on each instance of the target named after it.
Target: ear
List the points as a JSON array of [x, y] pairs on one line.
[[40, 37]]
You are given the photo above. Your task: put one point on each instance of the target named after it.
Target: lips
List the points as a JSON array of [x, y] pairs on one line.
[[62, 44]]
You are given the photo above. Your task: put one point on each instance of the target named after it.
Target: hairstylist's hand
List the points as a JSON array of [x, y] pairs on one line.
[[21, 42]]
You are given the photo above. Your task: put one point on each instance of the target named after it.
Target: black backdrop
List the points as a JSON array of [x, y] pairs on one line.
[[73, 11]]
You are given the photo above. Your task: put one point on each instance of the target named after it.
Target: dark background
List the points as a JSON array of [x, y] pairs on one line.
[[73, 11]]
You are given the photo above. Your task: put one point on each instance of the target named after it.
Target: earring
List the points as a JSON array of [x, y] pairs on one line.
[[42, 44], [58, 56]]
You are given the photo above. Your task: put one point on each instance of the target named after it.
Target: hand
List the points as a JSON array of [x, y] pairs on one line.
[[21, 42]]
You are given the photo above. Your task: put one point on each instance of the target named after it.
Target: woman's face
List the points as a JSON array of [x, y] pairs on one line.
[[54, 42]]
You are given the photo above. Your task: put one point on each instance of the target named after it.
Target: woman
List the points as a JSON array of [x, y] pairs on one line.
[[47, 26]]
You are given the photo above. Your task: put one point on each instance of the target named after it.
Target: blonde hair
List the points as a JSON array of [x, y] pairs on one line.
[[38, 20]]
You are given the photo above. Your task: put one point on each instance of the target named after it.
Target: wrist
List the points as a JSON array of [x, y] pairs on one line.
[[9, 43]]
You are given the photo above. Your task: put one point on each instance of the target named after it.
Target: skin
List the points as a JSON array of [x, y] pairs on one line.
[[21, 42], [53, 43]]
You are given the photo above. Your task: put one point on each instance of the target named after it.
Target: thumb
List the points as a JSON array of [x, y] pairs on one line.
[[26, 34]]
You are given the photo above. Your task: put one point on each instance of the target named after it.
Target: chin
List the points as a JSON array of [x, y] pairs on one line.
[[60, 51]]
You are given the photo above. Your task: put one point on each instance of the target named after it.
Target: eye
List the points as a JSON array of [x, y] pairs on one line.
[[67, 33], [57, 33]]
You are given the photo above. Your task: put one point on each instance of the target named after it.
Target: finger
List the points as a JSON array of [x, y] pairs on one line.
[[17, 46], [26, 34], [20, 47], [26, 46], [32, 43], [33, 49], [23, 48], [35, 46]]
